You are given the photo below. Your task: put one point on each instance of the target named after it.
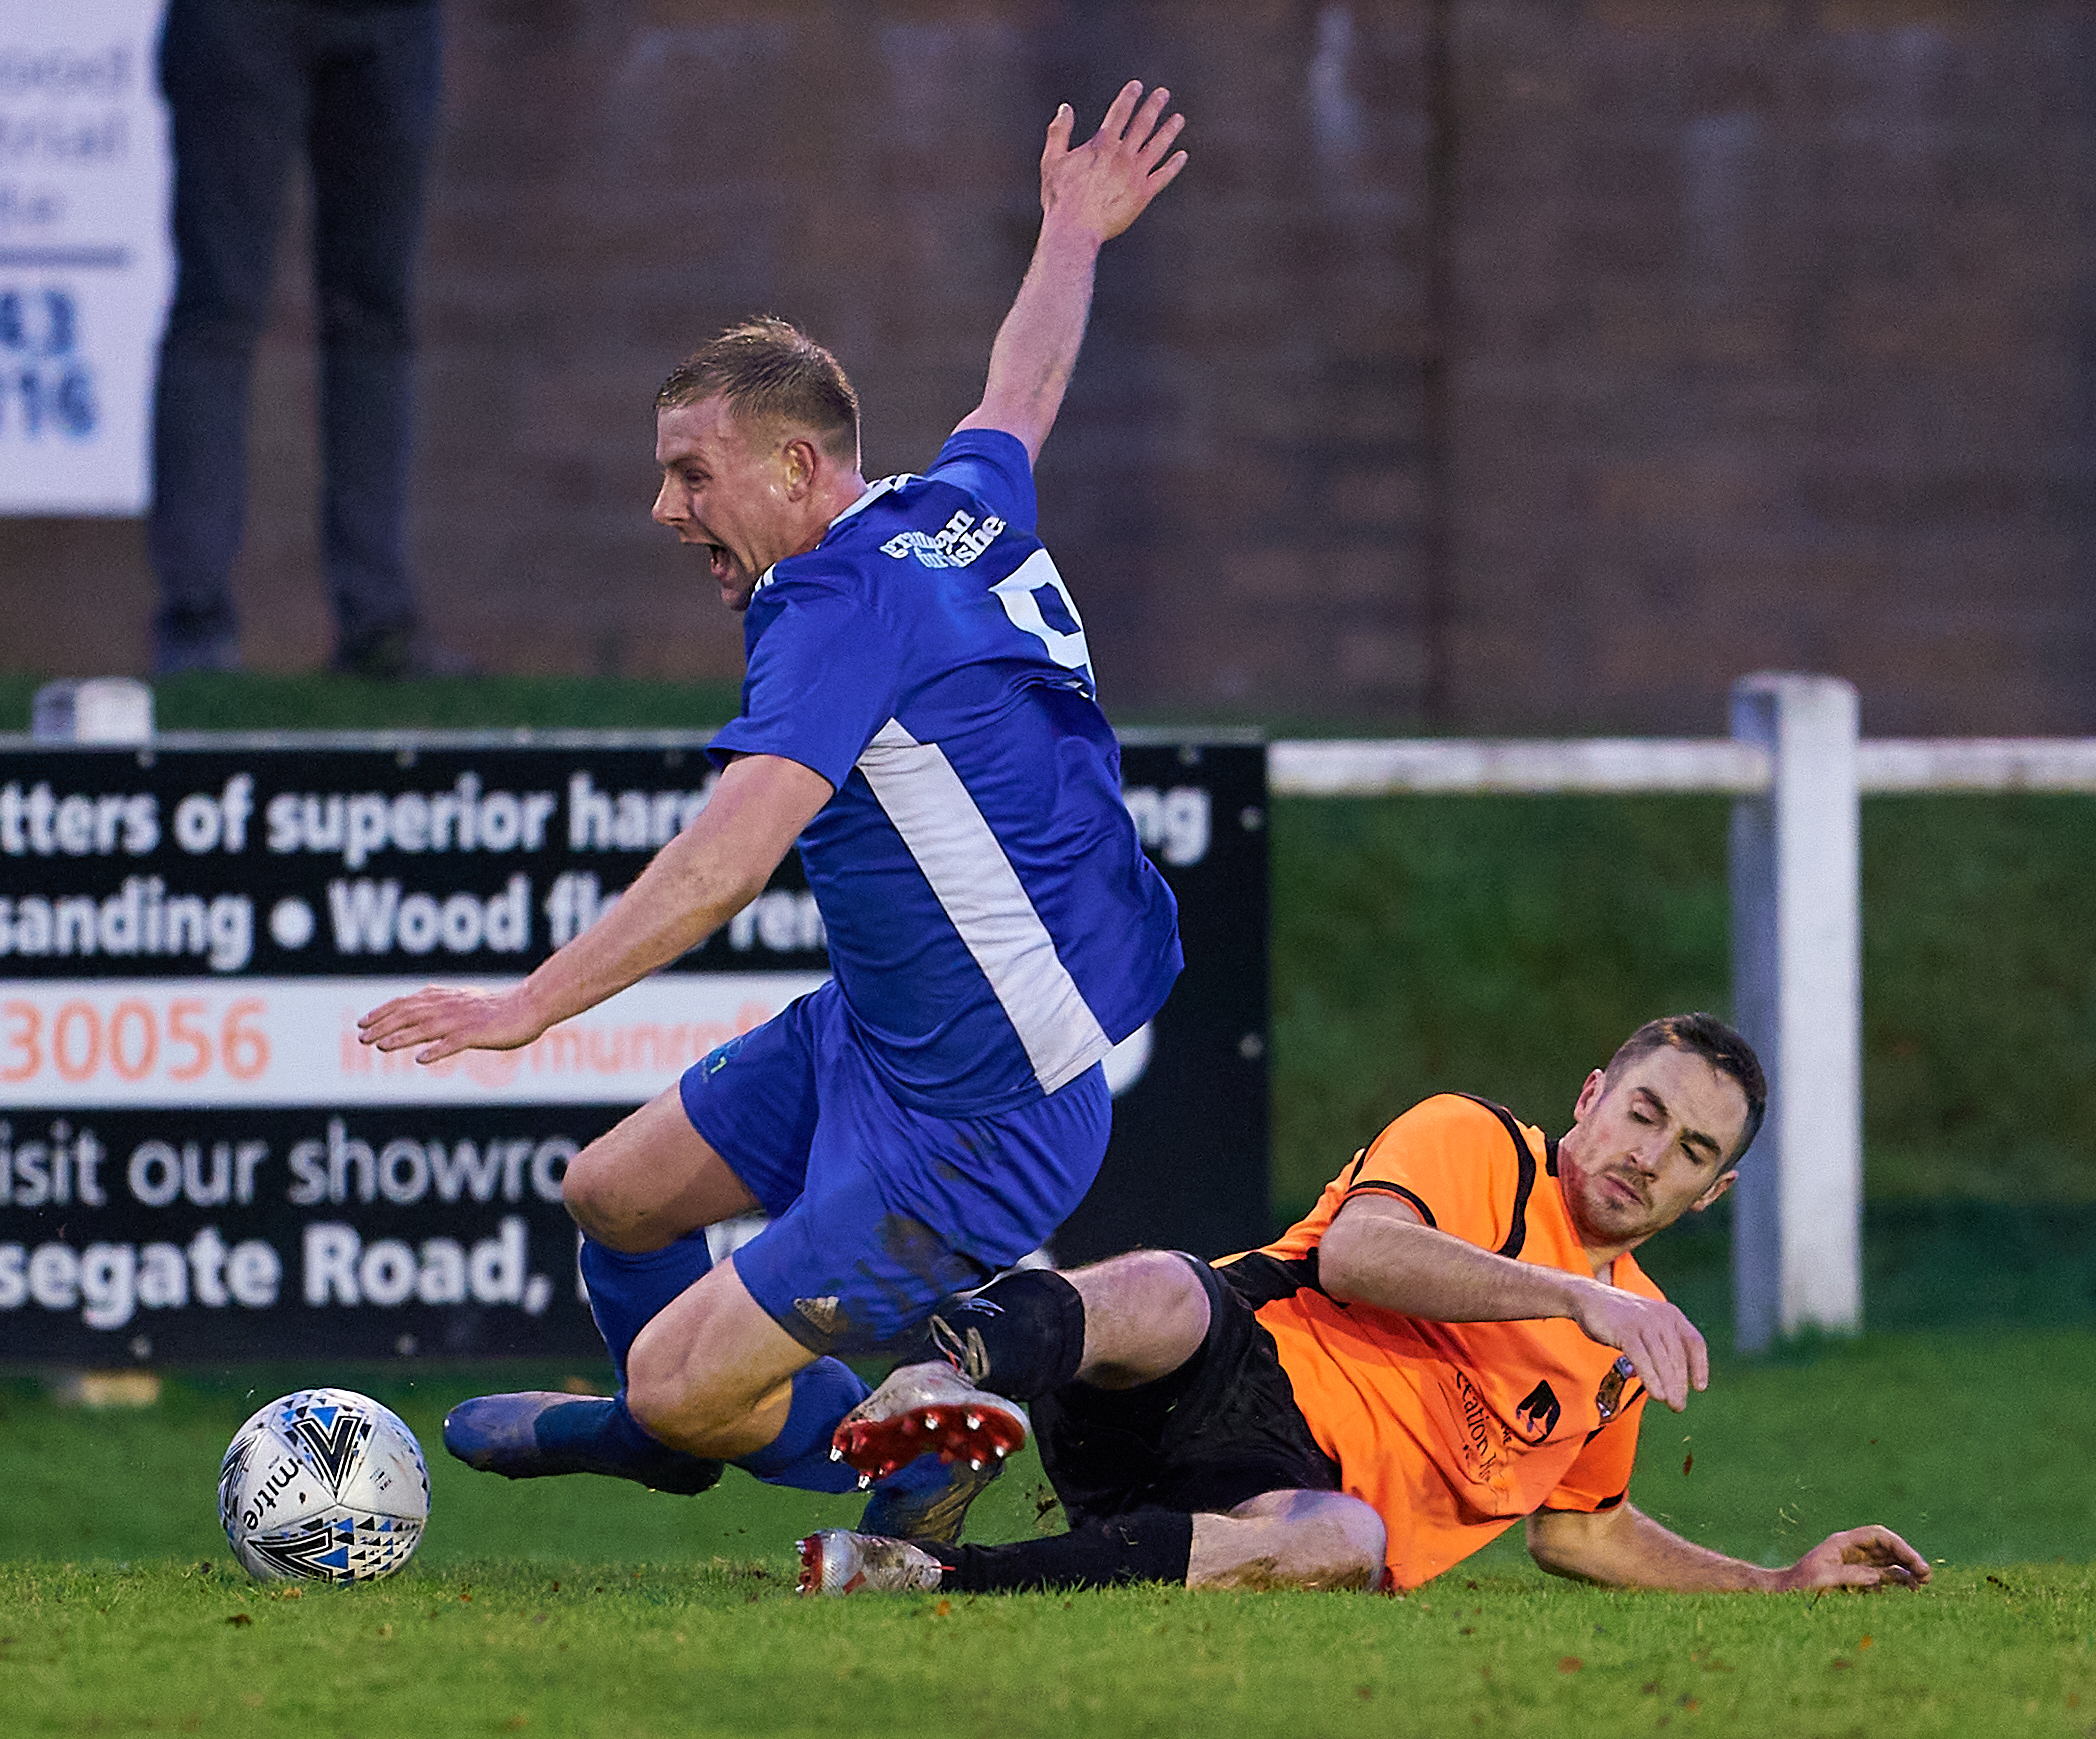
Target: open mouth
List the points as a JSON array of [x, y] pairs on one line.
[[722, 564]]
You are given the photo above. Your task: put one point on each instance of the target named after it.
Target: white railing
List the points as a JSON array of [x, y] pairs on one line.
[[1796, 769], [1628, 765]]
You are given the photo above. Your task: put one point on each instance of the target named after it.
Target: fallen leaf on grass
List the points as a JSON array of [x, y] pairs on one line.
[[943, 1610], [1570, 1664], [1649, 1689], [1839, 1662], [240, 1620], [463, 1595], [1863, 1643], [1364, 1692], [1687, 1461]]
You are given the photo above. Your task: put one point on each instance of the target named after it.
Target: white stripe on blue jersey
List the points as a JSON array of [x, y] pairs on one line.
[[983, 899]]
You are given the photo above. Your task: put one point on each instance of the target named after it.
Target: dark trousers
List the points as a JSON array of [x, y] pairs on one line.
[[250, 84]]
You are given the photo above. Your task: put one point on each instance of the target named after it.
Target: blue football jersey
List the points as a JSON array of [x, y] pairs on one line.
[[993, 923]]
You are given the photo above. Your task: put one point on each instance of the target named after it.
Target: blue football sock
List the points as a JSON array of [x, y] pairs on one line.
[[625, 1292], [800, 1455], [591, 1436]]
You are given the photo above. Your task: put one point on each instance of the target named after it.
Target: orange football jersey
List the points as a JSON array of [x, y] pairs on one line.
[[1453, 1431]]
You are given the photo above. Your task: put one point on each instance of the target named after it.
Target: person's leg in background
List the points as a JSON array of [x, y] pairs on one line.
[[376, 85], [234, 75]]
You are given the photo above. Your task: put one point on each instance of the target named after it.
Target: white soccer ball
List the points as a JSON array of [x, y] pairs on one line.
[[323, 1486]]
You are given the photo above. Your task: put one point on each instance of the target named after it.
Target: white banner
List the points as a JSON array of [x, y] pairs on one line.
[[86, 267], [73, 1044]]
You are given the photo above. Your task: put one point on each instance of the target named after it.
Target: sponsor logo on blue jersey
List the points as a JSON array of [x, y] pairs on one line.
[[954, 545]]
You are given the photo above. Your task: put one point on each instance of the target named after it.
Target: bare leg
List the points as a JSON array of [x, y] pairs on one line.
[[1310, 1540], [708, 1373], [1144, 1316], [652, 1178], [1289, 1539], [712, 1374]]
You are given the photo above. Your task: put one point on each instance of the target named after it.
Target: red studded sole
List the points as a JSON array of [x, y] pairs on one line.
[[877, 1447]]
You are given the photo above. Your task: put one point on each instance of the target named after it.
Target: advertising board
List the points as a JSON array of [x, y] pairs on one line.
[[199, 1160], [86, 266]]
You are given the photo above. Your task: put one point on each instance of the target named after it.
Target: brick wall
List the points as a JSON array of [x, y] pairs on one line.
[[1520, 363]]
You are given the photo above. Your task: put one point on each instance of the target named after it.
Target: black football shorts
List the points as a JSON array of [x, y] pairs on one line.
[[1222, 1428]]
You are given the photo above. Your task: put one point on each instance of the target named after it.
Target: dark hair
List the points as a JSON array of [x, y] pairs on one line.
[[1705, 1036], [770, 371]]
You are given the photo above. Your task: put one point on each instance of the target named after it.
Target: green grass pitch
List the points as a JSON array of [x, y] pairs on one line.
[[1499, 945], [587, 1607]]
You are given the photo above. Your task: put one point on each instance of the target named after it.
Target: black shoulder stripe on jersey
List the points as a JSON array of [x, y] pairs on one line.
[[1259, 1278], [1607, 1503], [1525, 1183], [1375, 1187], [1550, 1154], [1360, 1161]]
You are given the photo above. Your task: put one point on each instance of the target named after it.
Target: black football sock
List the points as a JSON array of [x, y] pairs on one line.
[[1020, 1336], [1142, 1546]]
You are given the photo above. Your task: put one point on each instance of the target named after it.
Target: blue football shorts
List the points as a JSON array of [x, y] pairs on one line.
[[878, 1211]]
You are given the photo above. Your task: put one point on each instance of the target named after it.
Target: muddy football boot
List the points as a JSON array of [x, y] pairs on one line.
[[837, 1561], [935, 1513], [928, 1409]]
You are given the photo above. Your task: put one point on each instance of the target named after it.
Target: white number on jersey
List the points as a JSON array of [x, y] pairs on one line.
[[1017, 592]]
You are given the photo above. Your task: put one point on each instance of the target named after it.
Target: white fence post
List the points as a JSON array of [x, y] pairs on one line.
[[103, 709], [1797, 979]]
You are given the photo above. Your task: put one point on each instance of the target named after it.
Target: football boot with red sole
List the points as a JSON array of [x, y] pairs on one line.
[[927, 1409]]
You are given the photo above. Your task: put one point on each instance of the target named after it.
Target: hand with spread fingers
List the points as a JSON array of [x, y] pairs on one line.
[[1861, 1558], [1104, 184], [445, 1020]]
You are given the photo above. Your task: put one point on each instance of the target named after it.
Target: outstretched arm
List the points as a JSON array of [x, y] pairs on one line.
[[1089, 195], [1378, 1251], [1625, 1548], [691, 887]]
